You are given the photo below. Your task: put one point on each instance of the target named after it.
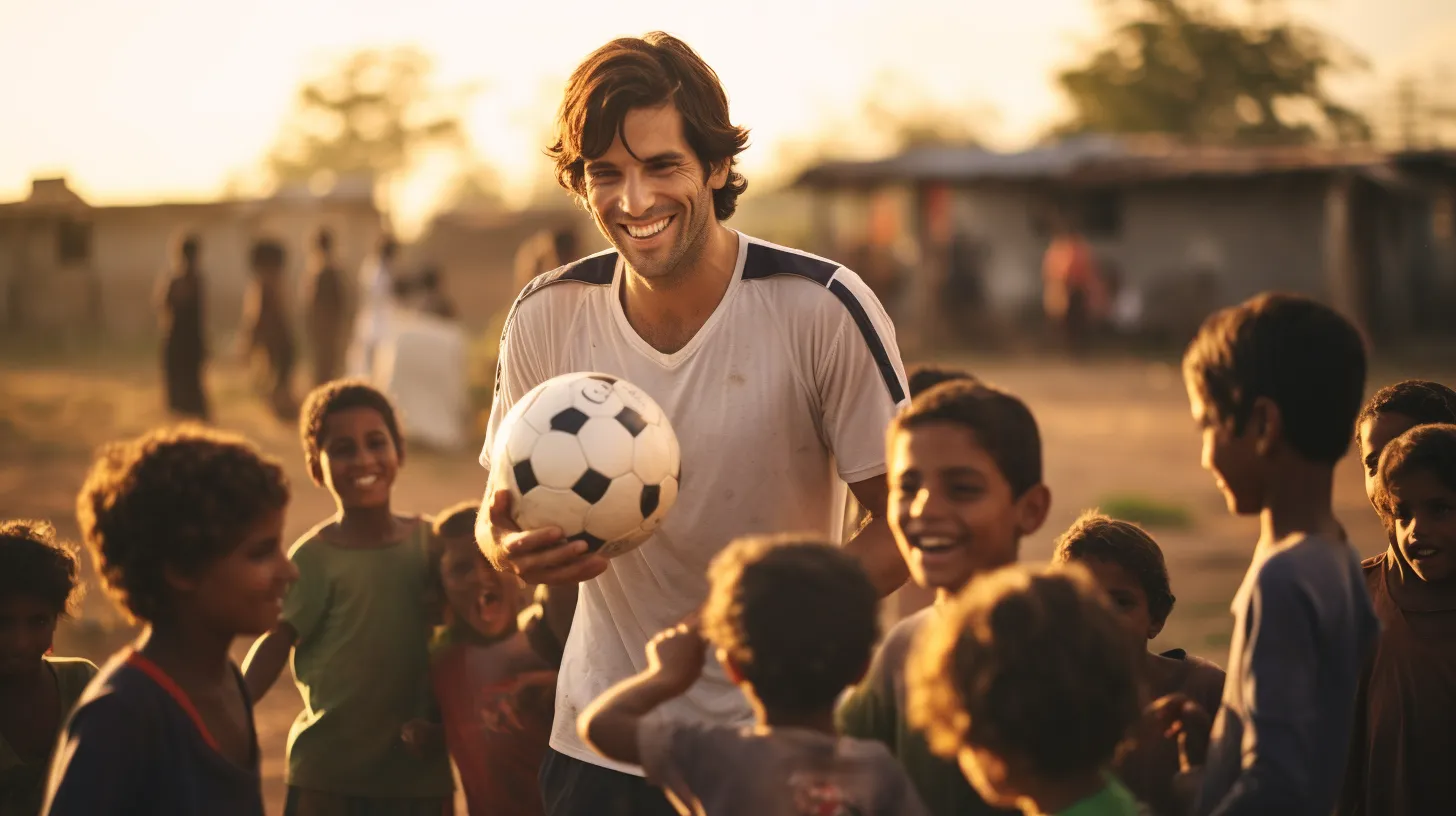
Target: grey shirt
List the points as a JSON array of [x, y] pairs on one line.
[[1303, 627], [709, 770]]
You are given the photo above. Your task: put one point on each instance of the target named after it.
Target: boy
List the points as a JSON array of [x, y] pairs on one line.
[[1404, 746], [923, 377], [793, 621], [1275, 385], [186, 528], [965, 487], [1027, 679], [494, 679], [267, 328]]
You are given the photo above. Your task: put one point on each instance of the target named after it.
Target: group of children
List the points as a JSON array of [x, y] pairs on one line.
[[1029, 688]]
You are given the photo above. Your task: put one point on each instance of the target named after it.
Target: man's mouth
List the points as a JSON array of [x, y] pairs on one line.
[[645, 231]]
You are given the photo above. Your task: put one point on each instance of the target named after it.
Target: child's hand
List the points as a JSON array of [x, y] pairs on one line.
[[420, 736], [1178, 717], [675, 657]]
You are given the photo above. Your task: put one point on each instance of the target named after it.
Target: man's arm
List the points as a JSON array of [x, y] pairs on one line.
[[874, 544]]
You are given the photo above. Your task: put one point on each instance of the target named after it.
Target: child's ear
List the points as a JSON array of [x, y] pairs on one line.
[[1032, 509], [1266, 424]]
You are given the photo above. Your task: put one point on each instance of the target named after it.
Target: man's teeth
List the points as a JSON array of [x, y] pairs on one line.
[[647, 230]]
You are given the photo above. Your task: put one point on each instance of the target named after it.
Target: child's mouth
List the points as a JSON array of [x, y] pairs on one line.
[[934, 544], [366, 481], [1422, 553]]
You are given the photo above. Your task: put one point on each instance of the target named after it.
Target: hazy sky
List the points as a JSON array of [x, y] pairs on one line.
[[151, 99]]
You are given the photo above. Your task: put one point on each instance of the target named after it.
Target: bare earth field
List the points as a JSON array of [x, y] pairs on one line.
[[1111, 430]]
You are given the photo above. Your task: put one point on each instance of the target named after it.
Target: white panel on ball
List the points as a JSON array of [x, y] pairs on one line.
[[596, 398], [651, 459], [634, 398], [607, 445], [619, 511], [548, 507], [557, 459], [549, 402]]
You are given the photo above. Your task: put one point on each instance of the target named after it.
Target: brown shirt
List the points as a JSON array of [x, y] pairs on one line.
[[1148, 767], [1403, 755]]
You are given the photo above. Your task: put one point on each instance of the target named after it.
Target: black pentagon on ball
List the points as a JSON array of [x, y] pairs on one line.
[[632, 421], [592, 486], [592, 542], [569, 420], [651, 495], [525, 476]]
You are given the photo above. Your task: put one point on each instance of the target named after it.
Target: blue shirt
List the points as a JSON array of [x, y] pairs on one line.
[[1303, 627]]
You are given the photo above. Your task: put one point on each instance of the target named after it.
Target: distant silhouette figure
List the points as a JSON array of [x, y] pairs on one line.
[[266, 330], [431, 297], [184, 348], [1074, 297], [324, 315], [376, 304]]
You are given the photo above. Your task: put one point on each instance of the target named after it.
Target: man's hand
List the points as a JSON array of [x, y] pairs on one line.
[[1176, 716], [675, 657], [538, 556]]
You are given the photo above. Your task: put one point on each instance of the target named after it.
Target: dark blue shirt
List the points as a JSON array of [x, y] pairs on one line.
[[1303, 627], [134, 747]]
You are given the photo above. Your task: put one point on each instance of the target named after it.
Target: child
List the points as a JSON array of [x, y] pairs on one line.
[[1129, 566], [923, 377], [358, 626], [1394, 410], [186, 529], [267, 330], [965, 487], [1028, 680], [1405, 747], [495, 679], [1275, 385], [37, 691], [793, 621]]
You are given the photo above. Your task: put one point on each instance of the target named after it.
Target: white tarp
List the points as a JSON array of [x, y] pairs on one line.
[[421, 364]]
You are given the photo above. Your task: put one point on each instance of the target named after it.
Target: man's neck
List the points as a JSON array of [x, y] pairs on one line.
[[1299, 501], [668, 312]]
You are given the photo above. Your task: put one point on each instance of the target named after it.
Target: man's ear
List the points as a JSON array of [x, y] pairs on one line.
[[718, 178]]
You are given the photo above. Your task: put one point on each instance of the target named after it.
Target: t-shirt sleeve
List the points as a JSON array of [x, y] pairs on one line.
[[308, 598], [520, 365], [861, 380], [98, 765]]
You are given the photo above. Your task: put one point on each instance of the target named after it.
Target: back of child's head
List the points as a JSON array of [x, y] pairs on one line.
[[176, 498], [1095, 536], [334, 397], [1299, 354], [1030, 665], [798, 618], [924, 377], [1424, 448], [1000, 423], [34, 563]]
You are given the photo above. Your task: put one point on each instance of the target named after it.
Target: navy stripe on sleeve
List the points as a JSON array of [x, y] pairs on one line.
[[871, 338]]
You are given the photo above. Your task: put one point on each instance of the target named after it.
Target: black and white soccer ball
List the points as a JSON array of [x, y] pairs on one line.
[[592, 454]]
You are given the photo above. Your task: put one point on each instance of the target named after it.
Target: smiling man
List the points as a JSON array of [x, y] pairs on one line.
[[778, 369]]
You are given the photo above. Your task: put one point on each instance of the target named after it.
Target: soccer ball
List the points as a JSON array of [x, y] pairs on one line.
[[592, 454]]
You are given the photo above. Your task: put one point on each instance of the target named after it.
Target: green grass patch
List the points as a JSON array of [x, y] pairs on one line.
[[1147, 511]]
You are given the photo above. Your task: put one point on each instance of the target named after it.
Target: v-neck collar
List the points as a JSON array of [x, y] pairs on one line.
[[675, 359]]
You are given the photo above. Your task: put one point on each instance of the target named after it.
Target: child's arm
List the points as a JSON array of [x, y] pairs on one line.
[[265, 661], [674, 662]]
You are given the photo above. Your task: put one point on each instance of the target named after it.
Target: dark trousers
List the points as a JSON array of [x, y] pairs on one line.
[[570, 787]]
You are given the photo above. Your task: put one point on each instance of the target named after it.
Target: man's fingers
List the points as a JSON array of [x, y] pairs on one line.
[[500, 512], [518, 545]]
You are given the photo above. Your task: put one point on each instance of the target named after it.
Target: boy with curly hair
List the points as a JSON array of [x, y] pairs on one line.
[[38, 587], [186, 528]]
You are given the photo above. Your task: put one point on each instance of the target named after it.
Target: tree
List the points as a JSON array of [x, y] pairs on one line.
[[1170, 67], [372, 115]]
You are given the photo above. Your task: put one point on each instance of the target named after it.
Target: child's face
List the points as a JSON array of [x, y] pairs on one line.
[[27, 629], [1375, 433], [358, 461], [478, 595], [950, 507], [1128, 598], [1424, 519], [242, 592], [1230, 457]]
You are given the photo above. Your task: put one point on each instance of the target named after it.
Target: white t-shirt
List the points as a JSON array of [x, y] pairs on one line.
[[780, 400]]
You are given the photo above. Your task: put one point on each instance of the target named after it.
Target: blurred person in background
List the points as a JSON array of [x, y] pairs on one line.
[[324, 309], [184, 346]]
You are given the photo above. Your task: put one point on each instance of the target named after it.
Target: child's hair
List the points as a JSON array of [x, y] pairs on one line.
[[342, 395], [1031, 665], [35, 564], [1430, 448], [1424, 401], [267, 254], [798, 616], [457, 520], [1300, 354], [177, 497], [924, 377], [1125, 544], [1000, 422]]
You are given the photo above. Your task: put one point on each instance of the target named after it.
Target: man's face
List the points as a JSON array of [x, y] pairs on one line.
[[654, 203]]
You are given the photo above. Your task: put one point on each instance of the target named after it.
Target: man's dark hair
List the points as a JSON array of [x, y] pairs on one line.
[[1125, 544], [1000, 423], [922, 378], [341, 395], [1294, 351], [178, 497], [1429, 448], [798, 616], [646, 72], [1030, 665], [34, 563]]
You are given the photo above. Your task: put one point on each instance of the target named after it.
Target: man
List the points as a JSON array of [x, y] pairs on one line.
[[778, 369]]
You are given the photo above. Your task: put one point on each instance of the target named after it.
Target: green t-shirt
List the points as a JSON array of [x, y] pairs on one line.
[[362, 667], [876, 710], [1113, 800], [22, 784]]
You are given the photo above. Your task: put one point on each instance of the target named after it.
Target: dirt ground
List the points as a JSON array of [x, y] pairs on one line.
[[1111, 429]]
